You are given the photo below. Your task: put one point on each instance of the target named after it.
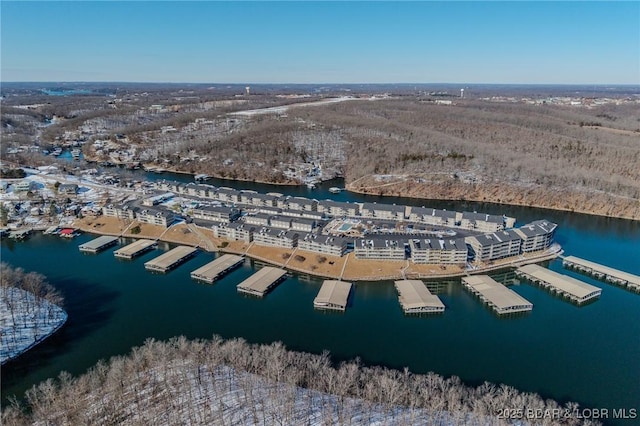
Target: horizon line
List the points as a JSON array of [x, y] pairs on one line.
[[310, 83]]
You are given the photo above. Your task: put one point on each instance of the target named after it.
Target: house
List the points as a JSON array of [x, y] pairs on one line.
[[380, 247], [438, 251], [536, 235], [334, 246], [68, 188], [497, 245], [24, 186], [216, 213]]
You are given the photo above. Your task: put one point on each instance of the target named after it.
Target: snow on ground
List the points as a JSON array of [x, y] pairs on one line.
[[185, 393], [25, 321]]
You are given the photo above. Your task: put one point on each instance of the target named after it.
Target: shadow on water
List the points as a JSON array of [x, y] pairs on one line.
[[89, 307]]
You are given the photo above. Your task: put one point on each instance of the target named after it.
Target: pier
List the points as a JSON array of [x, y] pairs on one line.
[[135, 249], [333, 295], [604, 273], [575, 290], [501, 299], [415, 298], [219, 267], [262, 281], [98, 244], [170, 259]]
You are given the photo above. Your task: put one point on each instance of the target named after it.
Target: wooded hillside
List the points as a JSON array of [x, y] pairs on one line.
[[232, 382]]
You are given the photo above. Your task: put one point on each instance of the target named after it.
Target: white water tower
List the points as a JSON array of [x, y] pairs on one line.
[[247, 89], [462, 93]]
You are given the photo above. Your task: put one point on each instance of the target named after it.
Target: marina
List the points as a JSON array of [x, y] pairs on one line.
[[500, 298], [170, 259], [575, 290], [262, 281], [602, 272], [415, 298], [333, 295], [98, 244], [135, 249], [218, 268]]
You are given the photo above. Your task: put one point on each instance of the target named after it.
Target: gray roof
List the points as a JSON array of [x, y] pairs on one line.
[[497, 237], [384, 207], [336, 241], [428, 211], [473, 216], [436, 244]]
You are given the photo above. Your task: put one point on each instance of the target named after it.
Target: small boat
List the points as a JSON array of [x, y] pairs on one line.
[[335, 190], [201, 177], [311, 185], [75, 153]]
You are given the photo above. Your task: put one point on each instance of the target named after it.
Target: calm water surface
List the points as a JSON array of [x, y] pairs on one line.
[[590, 354]]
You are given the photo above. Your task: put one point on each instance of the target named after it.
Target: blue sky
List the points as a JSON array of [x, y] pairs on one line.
[[322, 42]]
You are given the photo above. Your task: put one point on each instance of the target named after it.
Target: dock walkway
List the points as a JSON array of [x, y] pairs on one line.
[[170, 259], [605, 273], [333, 295], [262, 281], [219, 267], [415, 298], [496, 295], [575, 290], [135, 249], [98, 244]]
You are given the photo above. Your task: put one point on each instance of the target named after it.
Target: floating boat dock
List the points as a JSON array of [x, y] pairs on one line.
[[601, 272], [333, 295], [501, 299], [575, 290], [262, 281], [415, 298], [98, 244], [135, 249], [170, 259], [214, 270]]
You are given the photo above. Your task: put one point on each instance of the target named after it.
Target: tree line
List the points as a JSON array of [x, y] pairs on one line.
[[220, 381]]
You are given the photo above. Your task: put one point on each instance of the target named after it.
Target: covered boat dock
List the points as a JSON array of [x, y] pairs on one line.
[[333, 295], [98, 244], [135, 249], [262, 281], [170, 259], [219, 267], [601, 272], [501, 299], [415, 298], [575, 290]]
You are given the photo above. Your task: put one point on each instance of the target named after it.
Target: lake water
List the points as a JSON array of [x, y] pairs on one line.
[[588, 354]]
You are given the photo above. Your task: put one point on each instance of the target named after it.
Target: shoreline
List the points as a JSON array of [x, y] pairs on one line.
[[489, 201], [314, 264], [433, 196]]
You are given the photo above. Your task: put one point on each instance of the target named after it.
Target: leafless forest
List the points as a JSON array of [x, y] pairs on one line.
[[30, 309], [526, 151], [233, 382]]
